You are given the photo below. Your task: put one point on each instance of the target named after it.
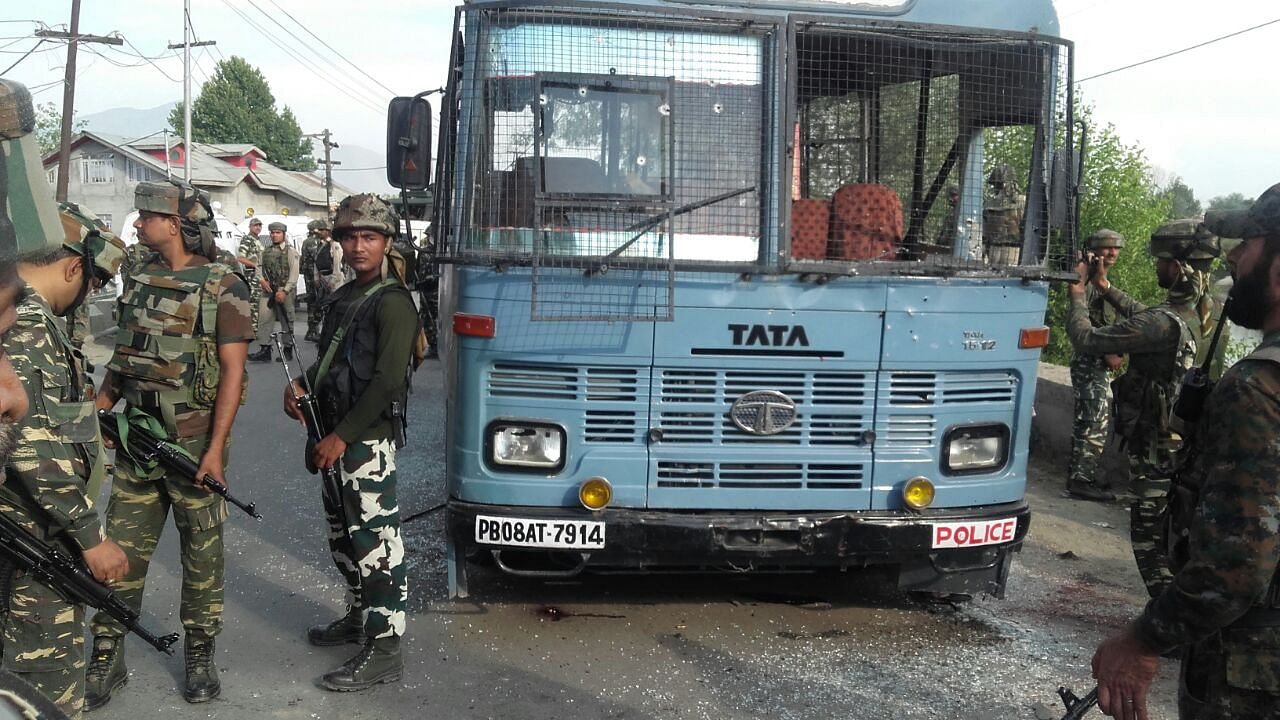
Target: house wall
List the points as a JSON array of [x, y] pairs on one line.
[[115, 198]]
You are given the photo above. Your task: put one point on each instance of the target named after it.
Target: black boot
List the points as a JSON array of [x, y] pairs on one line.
[[202, 672], [288, 352], [347, 629], [106, 672], [263, 354], [377, 662], [1089, 491], [311, 336]]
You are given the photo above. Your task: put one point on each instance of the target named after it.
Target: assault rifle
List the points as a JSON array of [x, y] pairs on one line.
[[145, 447], [69, 577], [1077, 707], [309, 406]]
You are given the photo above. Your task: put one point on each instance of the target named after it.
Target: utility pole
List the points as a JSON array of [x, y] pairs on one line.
[[69, 89], [186, 46], [328, 165]]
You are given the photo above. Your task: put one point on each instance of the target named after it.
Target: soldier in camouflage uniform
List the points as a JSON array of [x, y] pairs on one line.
[[361, 383], [250, 255], [78, 322], [53, 476], [330, 273], [307, 269], [179, 359], [278, 280], [1162, 343], [1223, 607], [1002, 210], [1091, 383], [21, 183]]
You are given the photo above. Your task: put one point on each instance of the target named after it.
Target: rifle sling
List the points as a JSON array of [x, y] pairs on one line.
[[340, 333]]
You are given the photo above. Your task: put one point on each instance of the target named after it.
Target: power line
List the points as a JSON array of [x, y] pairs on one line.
[[379, 167], [331, 49], [1185, 49], [368, 105], [152, 62], [24, 57], [304, 43]]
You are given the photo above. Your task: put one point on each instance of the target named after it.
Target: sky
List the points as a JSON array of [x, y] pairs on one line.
[[1207, 115]]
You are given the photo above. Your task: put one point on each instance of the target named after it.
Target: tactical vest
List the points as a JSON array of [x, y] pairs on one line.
[[324, 258], [1144, 394], [72, 418], [275, 265], [352, 364], [167, 336]]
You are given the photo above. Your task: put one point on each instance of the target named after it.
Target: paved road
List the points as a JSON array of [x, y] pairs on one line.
[[845, 646]]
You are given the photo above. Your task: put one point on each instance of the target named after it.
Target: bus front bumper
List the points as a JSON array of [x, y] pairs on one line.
[[950, 550]]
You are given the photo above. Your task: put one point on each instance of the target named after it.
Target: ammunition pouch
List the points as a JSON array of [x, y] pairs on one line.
[[1129, 391]]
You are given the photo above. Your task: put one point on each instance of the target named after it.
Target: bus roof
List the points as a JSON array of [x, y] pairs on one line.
[[1008, 15]]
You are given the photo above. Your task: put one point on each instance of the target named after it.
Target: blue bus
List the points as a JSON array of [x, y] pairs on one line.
[[745, 285]]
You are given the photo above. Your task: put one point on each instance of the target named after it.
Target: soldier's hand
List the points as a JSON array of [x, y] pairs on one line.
[[1124, 669], [291, 392], [280, 296], [1113, 361], [266, 286], [1082, 271], [328, 450], [211, 465], [106, 561]]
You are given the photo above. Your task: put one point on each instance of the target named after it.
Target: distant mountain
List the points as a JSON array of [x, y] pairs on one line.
[[348, 173], [129, 122], [134, 122]]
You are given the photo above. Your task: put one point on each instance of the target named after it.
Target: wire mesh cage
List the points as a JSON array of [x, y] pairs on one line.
[[601, 143], [605, 150], [924, 150]]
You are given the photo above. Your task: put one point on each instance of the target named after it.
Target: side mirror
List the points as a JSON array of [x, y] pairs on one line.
[[409, 143]]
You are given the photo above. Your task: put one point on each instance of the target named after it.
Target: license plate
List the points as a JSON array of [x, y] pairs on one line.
[[974, 534], [527, 532]]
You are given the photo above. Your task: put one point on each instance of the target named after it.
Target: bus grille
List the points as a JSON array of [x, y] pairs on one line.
[[610, 396], [767, 476], [832, 408]]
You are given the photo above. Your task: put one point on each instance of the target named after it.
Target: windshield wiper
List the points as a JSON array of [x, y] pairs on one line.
[[645, 226]]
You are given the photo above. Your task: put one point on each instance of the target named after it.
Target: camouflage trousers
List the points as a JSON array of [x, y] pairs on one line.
[[44, 635], [255, 297], [315, 311], [1091, 387], [364, 537], [1214, 686], [1151, 463], [136, 513]]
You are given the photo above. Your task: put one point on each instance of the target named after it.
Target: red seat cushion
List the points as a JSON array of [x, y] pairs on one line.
[[866, 222], [810, 220]]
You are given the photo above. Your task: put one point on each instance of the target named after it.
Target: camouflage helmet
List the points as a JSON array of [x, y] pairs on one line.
[[1259, 220], [318, 224], [1105, 238], [254, 221], [1185, 240], [278, 226], [365, 212], [28, 216], [86, 235], [1001, 174]]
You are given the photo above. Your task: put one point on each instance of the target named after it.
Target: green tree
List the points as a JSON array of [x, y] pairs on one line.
[[236, 106], [1182, 199], [1118, 192], [1234, 201], [49, 127]]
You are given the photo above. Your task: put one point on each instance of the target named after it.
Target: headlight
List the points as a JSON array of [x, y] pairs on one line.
[[528, 445], [975, 449]]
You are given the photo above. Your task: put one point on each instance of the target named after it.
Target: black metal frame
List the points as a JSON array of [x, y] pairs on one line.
[[999, 430], [491, 462]]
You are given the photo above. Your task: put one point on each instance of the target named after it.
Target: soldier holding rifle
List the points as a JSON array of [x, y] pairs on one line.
[[185, 325], [361, 383]]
